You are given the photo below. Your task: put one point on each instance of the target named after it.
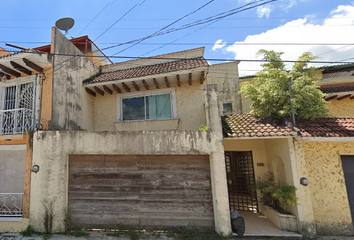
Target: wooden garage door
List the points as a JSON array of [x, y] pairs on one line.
[[142, 191]]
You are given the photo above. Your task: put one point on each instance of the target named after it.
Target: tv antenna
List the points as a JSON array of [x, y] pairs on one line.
[[65, 24]]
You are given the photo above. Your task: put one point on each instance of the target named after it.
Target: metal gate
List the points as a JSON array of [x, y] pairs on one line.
[[241, 181], [348, 169]]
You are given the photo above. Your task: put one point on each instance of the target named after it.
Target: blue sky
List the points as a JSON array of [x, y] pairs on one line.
[[300, 22]]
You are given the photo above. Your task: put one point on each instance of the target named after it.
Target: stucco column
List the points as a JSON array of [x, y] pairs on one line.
[[306, 219], [217, 163]]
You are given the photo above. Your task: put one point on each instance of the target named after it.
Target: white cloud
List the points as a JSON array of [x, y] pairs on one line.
[[337, 28], [263, 11], [219, 44]]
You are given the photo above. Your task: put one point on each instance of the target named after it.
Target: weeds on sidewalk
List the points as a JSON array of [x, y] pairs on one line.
[[195, 234], [127, 231], [78, 232], [28, 232]]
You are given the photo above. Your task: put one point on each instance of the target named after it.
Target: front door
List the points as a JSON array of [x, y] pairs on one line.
[[241, 181], [348, 169]]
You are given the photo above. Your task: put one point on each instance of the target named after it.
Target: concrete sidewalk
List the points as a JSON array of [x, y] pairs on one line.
[[102, 236]]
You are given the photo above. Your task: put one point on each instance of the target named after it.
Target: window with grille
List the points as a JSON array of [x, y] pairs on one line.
[[17, 108]]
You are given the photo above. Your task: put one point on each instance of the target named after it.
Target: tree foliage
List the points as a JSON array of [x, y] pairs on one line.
[[269, 90]]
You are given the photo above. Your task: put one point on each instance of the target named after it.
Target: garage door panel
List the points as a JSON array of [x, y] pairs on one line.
[[96, 208], [106, 220], [164, 191], [182, 206], [174, 190]]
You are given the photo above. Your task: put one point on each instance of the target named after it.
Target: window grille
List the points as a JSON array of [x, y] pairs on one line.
[[17, 109]]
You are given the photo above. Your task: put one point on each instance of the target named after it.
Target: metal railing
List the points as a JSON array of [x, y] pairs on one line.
[[11, 205], [16, 121]]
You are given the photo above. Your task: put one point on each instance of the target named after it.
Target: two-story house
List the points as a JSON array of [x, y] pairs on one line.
[[136, 143], [35, 95]]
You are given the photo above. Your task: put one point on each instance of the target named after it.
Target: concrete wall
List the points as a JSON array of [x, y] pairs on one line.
[[51, 150], [320, 162], [189, 100], [73, 109], [225, 76]]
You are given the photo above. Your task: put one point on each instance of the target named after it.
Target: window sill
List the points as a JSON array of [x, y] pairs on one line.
[[165, 124]]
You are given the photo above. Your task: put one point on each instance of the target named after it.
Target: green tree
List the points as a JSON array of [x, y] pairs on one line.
[[269, 90]]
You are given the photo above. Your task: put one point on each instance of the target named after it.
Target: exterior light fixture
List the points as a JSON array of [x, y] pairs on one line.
[[35, 168], [304, 181]]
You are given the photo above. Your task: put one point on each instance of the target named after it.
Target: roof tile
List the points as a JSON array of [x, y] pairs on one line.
[[141, 71], [246, 125]]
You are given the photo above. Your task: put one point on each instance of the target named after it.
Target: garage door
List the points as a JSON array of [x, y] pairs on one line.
[[142, 191]]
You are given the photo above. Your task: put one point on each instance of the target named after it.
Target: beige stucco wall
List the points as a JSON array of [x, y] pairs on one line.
[[320, 162], [189, 101], [341, 108], [52, 148], [225, 76]]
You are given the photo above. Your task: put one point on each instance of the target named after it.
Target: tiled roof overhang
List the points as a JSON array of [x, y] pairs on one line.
[[184, 70], [338, 91], [26, 62], [248, 126]]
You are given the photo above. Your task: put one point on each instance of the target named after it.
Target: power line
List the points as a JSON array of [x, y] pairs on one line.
[[117, 21], [142, 39], [202, 21], [177, 59], [94, 18], [206, 43]]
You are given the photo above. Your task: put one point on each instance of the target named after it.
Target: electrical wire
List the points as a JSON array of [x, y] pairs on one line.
[[202, 21], [117, 21], [157, 32], [94, 18]]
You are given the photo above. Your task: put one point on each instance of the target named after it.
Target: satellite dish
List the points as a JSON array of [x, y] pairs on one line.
[[65, 24]]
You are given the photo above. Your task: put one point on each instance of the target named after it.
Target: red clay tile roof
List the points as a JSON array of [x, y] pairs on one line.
[[246, 125], [327, 127], [333, 88], [165, 67]]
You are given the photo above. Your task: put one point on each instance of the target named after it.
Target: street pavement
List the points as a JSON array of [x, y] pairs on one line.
[[99, 236]]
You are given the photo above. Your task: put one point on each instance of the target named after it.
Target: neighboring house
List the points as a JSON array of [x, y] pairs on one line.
[[125, 145], [321, 151], [337, 82], [35, 94]]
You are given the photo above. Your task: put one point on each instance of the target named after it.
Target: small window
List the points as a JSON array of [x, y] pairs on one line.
[[227, 107], [136, 106]]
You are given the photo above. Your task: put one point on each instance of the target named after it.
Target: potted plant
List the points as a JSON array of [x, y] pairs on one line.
[[276, 199]]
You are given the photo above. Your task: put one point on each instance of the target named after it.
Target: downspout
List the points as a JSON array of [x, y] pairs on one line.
[[39, 125], [291, 103], [35, 101]]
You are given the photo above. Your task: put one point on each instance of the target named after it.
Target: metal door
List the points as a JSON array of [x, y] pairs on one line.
[[241, 181], [348, 169]]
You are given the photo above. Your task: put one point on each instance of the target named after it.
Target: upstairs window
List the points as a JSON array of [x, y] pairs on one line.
[[148, 105]]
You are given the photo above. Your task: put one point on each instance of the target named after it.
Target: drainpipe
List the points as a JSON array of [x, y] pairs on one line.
[[35, 101], [39, 125], [291, 102]]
